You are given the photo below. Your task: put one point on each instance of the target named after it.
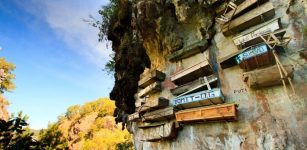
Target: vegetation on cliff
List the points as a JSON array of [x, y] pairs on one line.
[[90, 126]]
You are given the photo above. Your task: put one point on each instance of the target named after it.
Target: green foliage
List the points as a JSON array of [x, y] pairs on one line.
[[110, 65], [52, 138], [106, 12], [15, 135], [305, 31], [7, 76]]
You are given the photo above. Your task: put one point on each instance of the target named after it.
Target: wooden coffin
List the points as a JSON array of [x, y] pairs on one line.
[[189, 50], [154, 133], [303, 54], [192, 85], [152, 88], [154, 104], [254, 17], [203, 98], [150, 78], [159, 115], [255, 57], [252, 36], [243, 6], [192, 73], [211, 113], [134, 117], [265, 77]]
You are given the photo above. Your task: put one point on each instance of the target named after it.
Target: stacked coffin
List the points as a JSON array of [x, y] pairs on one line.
[[196, 86], [256, 24], [153, 114]]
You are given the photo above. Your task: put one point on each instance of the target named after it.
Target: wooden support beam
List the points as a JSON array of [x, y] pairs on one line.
[[211, 113], [152, 88], [202, 98], [154, 104], [151, 77], [189, 50], [190, 74], [159, 115], [252, 36], [254, 17], [266, 77], [156, 133], [191, 85], [134, 117]]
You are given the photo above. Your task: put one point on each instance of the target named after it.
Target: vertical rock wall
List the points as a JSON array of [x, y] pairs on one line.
[[146, 32]]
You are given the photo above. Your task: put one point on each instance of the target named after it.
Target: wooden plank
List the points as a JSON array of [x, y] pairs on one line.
[[165, 131], [255, 57], [159, 115], [202, 98], [134, 117], [150, 78], [217, 112], [246, 4], [191, 85], [189, 50], [190, 74], [250, 36], [265, 77], [254, 17], [152, 88], [154, 104]]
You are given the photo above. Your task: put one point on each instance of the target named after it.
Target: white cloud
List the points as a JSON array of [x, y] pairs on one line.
[[65, 18]]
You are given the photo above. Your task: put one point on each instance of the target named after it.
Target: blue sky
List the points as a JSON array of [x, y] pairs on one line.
[[58, 58]]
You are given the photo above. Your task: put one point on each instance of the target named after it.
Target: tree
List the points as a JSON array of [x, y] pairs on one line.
[[6, 75], [15, 134]]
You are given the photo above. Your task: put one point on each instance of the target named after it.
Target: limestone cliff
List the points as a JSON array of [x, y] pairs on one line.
[[177, 36]]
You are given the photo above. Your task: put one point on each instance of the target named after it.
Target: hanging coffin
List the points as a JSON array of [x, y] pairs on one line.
[[265, 77], [252, 36], [154, 133], [211, 113], [150, 78], [193, 85], [159, 115], [152, 88], [190, 50], [134, 117], [255, 57], [202, 98], [254, 17], [190, 74], [154, 104]]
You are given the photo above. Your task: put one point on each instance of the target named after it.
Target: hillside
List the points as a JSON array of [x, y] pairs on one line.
[[88, 127]]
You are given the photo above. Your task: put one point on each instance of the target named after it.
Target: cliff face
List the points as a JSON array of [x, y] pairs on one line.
[[183, 40]]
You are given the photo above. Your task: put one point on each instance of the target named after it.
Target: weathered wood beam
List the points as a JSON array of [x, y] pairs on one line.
[[164, 131], [254, 17], [265, 77], [154, 104], [190, 74], [252, 35], [152, 88], [159, 115], [203, 98], [134, 117], [211, 113], [191, 85], [243, 6], [189, 50], [151, 77]]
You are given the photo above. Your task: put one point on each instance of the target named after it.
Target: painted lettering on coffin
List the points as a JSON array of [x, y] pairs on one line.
[[252, 52], [195, 97]]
